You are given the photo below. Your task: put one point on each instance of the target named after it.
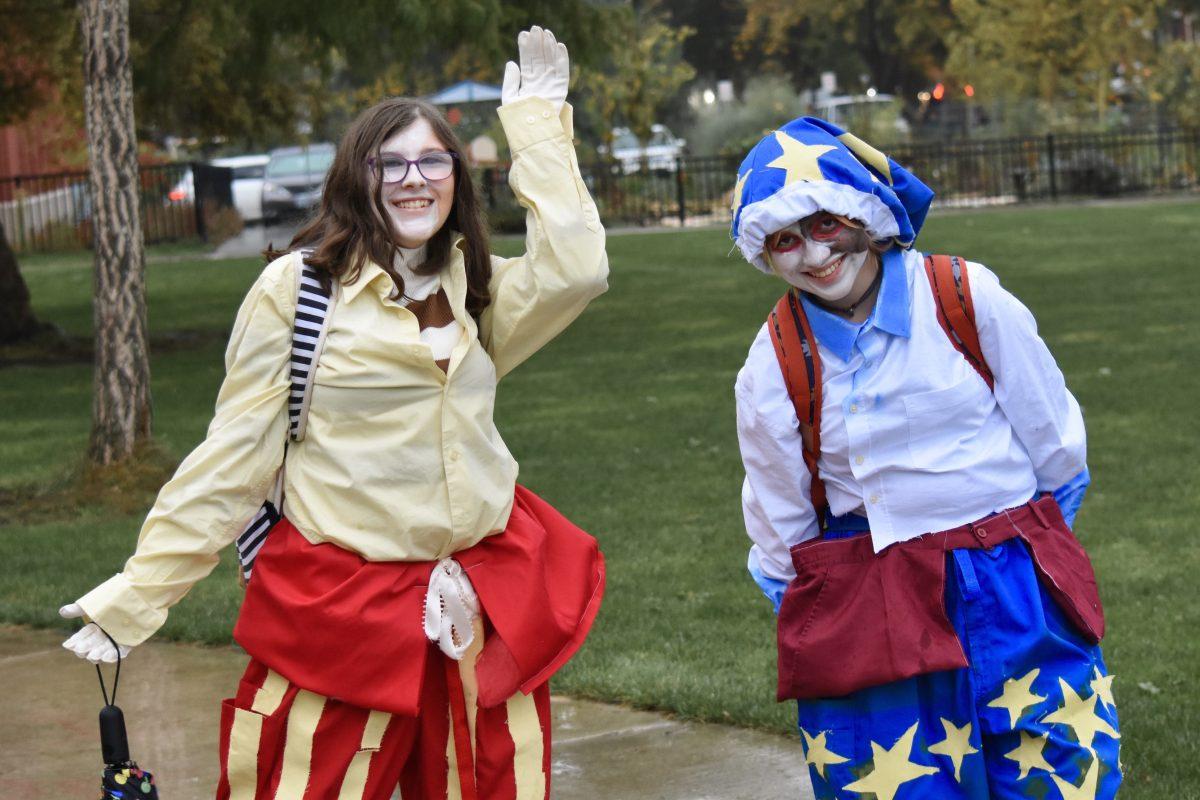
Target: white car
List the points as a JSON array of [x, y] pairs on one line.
[[659, 155], [247, 187]]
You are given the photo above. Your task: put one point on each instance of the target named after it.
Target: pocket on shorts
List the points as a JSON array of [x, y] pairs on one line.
[[1066, 572], [251, 744], [854, 619]]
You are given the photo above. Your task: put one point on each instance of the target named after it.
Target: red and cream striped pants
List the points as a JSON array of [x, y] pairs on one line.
[[280, 742]]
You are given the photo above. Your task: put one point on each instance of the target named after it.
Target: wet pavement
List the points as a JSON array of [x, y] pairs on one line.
[[49, 747], [254, 238]]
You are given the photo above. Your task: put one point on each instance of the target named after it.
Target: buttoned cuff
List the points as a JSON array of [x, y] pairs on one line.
[[532, 119], [116, 606]]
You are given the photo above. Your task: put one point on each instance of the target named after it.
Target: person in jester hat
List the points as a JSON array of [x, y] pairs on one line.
[[914, 462]]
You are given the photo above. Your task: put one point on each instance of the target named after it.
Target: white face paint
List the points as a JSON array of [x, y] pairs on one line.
[[813, 266], [417, 208]]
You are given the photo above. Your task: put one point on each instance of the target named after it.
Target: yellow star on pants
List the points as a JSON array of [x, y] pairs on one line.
[[1085, 790], [1017, 696], [891, 768], [1028, 754], [1102, 686], [1080, 715], [799, 159], [955, 746], [818, 753], [738, 188]]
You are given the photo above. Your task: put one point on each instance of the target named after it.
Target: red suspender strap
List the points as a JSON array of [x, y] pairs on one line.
[[955, 311], [796, 350]]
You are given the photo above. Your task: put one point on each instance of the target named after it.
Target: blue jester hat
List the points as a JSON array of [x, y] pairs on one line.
[[810, 165]]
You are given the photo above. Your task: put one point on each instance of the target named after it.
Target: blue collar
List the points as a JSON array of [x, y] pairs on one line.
[[891, 312]]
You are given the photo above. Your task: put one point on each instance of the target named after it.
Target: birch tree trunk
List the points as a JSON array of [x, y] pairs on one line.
[[121, 381], [17, 320]]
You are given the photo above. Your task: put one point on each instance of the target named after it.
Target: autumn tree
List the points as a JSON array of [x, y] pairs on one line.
[[38, 39], [1063, 53], [121, 379], [642, 72], [896, 45]]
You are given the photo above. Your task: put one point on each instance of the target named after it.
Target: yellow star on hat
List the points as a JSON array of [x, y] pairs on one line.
[[892, 768], [956, 745], [818, 753], [1080, 715], [1085, 790], [1102, 686], [799, 159], [1028, 754], [738, 188], [1018, 696]]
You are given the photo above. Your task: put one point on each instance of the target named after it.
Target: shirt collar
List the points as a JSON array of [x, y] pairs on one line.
[[891, 312], [453, 278]]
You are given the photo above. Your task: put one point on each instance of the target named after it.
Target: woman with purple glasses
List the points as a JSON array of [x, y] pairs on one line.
[[404, 616]]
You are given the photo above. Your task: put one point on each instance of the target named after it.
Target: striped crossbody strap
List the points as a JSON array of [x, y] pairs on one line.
[[314, 308], [800, 360]]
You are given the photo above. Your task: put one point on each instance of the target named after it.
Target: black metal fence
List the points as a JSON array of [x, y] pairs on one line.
[[49, 212], [54, 212], [965, 172]]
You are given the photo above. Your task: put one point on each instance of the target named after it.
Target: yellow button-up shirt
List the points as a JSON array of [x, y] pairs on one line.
[[401, 461]]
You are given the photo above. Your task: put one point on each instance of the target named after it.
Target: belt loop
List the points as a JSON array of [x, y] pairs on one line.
[[966, 569], [1037, 512]]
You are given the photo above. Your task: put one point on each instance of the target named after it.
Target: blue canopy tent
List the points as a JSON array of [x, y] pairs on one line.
[[465, 92]]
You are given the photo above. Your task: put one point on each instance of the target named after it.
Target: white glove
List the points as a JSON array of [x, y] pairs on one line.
[[451, 608], [90, 641], [544, 72]]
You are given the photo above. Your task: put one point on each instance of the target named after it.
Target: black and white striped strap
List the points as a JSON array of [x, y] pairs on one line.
[[314, 307]]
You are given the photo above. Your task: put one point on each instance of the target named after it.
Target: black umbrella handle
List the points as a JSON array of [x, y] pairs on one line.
[[114, 743], [116, 678]]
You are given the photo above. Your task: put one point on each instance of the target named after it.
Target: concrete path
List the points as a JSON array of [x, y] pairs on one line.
[[49, 742]]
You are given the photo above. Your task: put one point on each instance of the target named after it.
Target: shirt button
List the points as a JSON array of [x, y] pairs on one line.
[[529, 120], [874, 498], [859, 459], [854, 408], [545, 115], [454, 455]]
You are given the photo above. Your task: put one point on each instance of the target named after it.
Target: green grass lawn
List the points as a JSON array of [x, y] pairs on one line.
[[626, 424]]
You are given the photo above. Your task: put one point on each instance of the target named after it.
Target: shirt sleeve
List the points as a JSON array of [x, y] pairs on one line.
[[776, 497], [220, 485], [537, 295], [1029, 387]]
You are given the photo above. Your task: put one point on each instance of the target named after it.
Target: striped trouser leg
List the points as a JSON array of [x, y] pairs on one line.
[[280, 742], [468, 752]]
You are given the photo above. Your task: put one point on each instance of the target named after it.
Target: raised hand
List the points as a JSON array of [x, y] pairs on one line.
[[544, 72], [90, 641]]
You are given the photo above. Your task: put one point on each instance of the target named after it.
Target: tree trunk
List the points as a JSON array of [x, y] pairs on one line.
[[121, 382], [16, 316]]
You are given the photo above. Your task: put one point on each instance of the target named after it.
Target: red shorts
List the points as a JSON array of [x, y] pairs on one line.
[[854, 618], [347, 628]]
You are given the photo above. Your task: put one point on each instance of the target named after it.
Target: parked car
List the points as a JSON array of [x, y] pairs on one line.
[[247, 185], [294, 178], [659, 155]]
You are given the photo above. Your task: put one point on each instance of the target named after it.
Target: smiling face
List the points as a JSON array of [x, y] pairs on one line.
[[417, 207], [821, 254]]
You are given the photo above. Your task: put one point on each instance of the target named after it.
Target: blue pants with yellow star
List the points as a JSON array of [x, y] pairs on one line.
[[1033, 716]]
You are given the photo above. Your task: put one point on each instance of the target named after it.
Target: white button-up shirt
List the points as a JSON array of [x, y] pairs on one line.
[[911, 436]]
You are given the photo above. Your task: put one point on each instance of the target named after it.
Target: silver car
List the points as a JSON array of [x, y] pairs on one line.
[[294, 179]]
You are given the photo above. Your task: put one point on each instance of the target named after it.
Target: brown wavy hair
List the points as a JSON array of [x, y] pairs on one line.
[[348, 228]]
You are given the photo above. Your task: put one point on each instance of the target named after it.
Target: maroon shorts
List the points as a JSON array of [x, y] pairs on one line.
[[854, 618]]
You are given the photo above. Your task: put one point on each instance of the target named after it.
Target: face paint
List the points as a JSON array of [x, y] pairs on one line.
[[821, 254], [417, 208]]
